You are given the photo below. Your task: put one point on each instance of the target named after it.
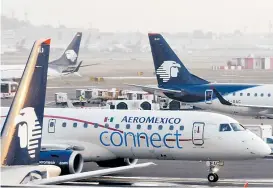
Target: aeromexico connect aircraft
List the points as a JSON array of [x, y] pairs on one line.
[[65, 65], [176, 82], [118, 138], [21, 133]]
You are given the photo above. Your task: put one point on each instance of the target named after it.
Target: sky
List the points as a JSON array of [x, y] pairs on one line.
[[251, 16]]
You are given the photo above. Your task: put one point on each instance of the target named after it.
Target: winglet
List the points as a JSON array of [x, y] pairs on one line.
[[221, 98], [22, 131]]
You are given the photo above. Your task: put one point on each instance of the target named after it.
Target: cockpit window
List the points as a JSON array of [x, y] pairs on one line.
[[237, 127], [224, 127], [269, 141]]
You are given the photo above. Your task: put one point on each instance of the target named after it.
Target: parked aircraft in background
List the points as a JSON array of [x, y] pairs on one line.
[[65, 65], [176, 82], [21, 132]]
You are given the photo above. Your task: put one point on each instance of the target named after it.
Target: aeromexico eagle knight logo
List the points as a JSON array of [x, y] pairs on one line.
[[71, 55], [168, 70], [29, 130]]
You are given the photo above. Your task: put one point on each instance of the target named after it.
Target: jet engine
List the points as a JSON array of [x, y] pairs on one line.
[[117, 162], [70, 162]]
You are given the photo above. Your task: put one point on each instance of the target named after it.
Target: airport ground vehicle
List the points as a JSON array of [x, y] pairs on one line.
[[8, 89]]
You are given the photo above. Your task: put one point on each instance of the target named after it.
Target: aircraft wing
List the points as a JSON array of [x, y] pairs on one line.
[[152, 90], [86, 175], [225, 102]]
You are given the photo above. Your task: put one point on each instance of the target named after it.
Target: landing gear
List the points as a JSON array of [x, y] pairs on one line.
[[213, 168], [212, 177]]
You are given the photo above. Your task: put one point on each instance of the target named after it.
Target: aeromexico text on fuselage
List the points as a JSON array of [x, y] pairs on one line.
[[157, 120], [120, 138], [196, 93]]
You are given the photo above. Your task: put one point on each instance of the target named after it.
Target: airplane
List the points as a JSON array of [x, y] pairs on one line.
[[116, 138], [13, 50], [21, 133], [65, 65], [176, 82]]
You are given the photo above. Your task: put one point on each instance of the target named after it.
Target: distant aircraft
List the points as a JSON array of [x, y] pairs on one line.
[[65, 65], [21, 133], [176, 82], [13, 50]]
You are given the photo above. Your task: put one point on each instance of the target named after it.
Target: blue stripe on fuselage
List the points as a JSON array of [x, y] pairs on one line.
[[196, 93]]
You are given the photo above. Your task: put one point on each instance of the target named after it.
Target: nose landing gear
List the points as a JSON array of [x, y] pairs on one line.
[[213, 177], [213, 169]]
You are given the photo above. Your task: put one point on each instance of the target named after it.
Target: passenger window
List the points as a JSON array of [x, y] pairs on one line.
[[181, 128], [138, 126], [262, 94], [75, 125], [128, 126], [149, 127], [224, 127], [248, 94], [241, 94], [269, 141], [96, 125], [160, 127], [256, 95], [171, 127], [234, 94], [269, 94], [237, 127], [117, 126], [64, 124], [85, 125]]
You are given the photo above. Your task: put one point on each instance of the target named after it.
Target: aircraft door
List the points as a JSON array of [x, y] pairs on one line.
[[208, 96], [51, 125], [198, 133]]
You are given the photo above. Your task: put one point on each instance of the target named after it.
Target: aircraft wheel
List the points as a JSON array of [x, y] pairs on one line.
[[212, 177]]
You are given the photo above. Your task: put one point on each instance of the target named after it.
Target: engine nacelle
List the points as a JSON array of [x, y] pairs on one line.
[[69, 161], [117, 162]]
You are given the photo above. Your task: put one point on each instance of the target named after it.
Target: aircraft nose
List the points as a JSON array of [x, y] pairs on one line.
[[263, 148]]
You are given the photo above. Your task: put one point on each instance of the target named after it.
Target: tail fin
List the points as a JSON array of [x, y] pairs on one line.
[[170, 71], [22, 131], [71, 53]]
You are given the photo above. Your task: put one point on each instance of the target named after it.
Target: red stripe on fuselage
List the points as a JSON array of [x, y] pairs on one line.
[[102, 126]]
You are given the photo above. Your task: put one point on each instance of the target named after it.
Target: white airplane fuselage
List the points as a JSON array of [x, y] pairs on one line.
[[165, 135], [261, 95], [16, 72]]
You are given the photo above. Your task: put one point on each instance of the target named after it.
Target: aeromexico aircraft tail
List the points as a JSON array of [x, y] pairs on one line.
[[71, 53], [170, 71], [22, 131]]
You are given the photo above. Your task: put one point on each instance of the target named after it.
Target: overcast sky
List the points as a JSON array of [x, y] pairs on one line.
[[147, 15]]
